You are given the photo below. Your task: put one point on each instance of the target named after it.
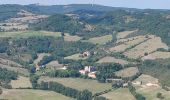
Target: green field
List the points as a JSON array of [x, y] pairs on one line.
[[119, 94], [101, 40], [80, 84], [19, 34], [75, 57], [29, 94]]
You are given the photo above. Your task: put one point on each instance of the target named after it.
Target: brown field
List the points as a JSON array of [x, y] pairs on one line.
[[29, 94], [54, 65], [157, 55], [127, 43], [21, 82], [127, 72], [68, 37], [146, 47], [80, 84], [119, 94], [112, 60], [124, 34]]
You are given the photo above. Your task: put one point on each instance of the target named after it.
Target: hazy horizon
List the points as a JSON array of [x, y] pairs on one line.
[[142, 4]]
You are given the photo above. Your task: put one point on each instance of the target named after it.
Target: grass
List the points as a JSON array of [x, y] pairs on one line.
[[21, 82], [119, 94], [101, 40], [146, 47], [80, 84], [68, 37], [25, 94], [54, 65], [112, 60], [127, 72], [124, 34], [158, 55], [75, 57], [26, 34]]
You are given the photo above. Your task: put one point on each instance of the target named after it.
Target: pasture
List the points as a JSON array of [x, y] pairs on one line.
[[109, 59], [119, 94], [127, 43], [54, 65], [146, 47], [80, 84], [127, 72], [75, 57], [157, 55], [101, 40], [21, 82], [29, 94], [26, 34], [124, 34], [68, 37]]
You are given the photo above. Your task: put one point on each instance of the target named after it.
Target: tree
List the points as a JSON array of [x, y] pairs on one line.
[[160, 96], [1, 91], [84, 95]]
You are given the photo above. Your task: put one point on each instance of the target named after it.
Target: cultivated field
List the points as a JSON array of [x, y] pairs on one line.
[[68, 37], [127, 43], [124, 34], [29, 94], [112, 60], [75, 57], [25, 34], [157, 55], [127, 72], [101, 40], [146, 47], [119, 94], [80, 84], [21, 82]]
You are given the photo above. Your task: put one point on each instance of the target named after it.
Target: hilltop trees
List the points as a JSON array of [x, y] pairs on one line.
[[84, 95]]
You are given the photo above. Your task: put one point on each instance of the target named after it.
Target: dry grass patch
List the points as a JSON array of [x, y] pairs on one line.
[[80, 84], [25, 94], [101, 40], [146, 47], [112, 60], [124, 34], [21, 82], [127, 43], [127, 72], [119, 94]]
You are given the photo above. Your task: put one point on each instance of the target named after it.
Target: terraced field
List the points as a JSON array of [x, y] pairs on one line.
[[101, 40], [124, 34], [21, 82], [127, 72], [157, 55], [68, 37]]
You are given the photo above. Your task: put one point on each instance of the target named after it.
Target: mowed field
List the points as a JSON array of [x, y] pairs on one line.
[[119, 94], [54, 65], [100, 40], [21, 82], [29, 94], [124, 34], [24, 34], [109, 59], [157, 55], [75, 57], [146, 47], [127, 72], [127, 43], [80, 84]]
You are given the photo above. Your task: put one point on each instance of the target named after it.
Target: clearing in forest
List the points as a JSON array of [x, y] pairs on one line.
[[69, 37], [124, 34], [76, 57]]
